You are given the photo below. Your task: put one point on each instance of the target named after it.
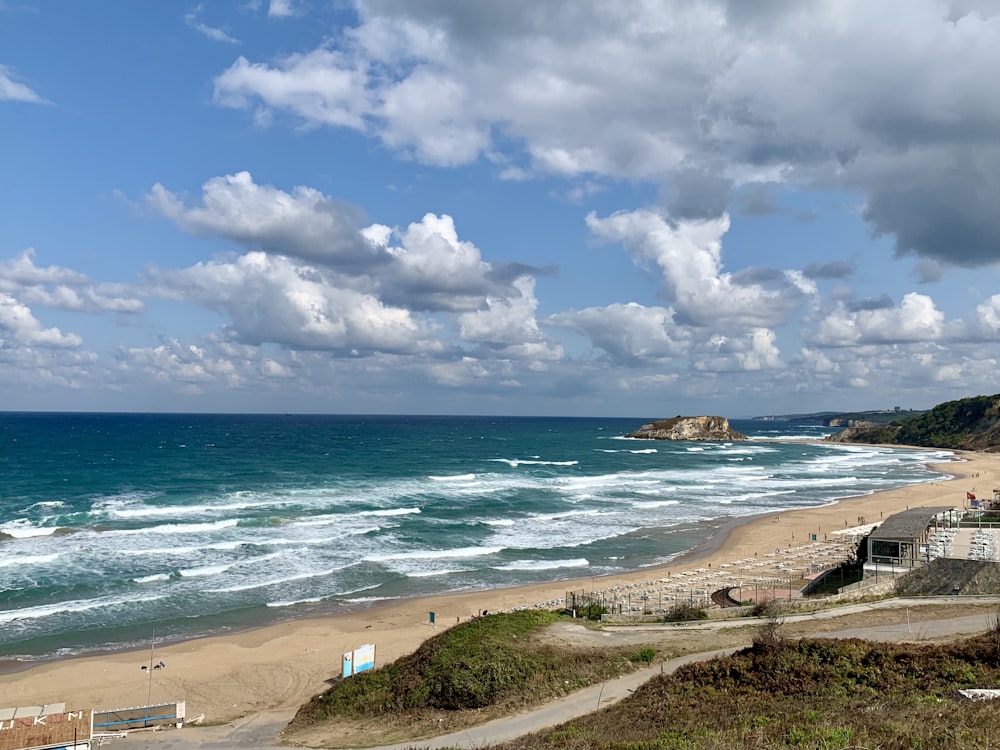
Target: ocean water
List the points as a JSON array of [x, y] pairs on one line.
[[113, 526]]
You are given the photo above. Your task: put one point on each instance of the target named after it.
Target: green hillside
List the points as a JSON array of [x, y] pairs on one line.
[[967, 424]]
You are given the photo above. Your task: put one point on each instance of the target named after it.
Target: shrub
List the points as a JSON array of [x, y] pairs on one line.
[[644, 655], [684, 612], [767, 635]]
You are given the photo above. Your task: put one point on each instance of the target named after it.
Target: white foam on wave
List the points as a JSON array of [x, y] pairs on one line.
[[283, 541], [187, 550], [205, 570], [746, 450], [455, 478], [578, 562], [434, 554], [22, 528], [109, 503], [179, 528], [271, 582], [370, 599], [563, 515], [749, 496], [293, 602], [657, 491], [47, 504], [649, 504], [515, 462], [695, 448], [430, 573], [793, 438], [152, 578], [498, 522], [25, 560], [390, 512], [645, 450], [206, 509], [75, 605]]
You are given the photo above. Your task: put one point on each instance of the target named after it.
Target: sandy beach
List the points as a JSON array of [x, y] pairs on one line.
[[271, 671]]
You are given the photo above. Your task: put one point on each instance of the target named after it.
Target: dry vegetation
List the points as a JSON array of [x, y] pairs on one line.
[[804, 694], [779, 693]]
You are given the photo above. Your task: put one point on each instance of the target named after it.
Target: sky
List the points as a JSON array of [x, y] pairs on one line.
[[536, 207]]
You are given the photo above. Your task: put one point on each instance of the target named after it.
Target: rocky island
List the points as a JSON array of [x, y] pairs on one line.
[[688, 428]]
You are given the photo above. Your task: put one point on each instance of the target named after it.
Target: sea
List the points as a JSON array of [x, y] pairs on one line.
[[115, 528]]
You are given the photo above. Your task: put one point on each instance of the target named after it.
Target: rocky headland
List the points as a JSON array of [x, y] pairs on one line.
[[688, 428]]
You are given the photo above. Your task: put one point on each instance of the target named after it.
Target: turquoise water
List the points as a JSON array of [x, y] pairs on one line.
[[112, 525]]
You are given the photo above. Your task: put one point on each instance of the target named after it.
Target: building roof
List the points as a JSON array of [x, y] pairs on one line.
[[908, 524]]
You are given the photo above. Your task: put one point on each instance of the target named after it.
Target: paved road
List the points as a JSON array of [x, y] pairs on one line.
[[259, 733]]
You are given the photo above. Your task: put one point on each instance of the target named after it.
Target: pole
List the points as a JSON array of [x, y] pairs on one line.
[[149, 692]]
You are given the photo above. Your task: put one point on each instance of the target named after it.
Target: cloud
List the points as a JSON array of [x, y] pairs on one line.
[[279, 9], [279, 300], [916, 319], [689, 255], [697, 194], [213, 33], [695, 97], [882, 302], [630, 334], [304, 223], [19, 326], [323, 87], [62, 288], [14, 90], [836, 269], [507, 327], [928, 271], [424, 267], [755, 351], [433, 269], [982, 324], [366, 308]]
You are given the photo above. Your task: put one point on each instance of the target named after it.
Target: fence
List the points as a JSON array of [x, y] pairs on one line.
[[139, 717]]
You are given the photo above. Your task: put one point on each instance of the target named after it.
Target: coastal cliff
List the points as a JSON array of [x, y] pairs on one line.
[[688, 428], [971, 424]]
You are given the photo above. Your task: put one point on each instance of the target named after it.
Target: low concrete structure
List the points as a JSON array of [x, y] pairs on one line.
[[901, 541]]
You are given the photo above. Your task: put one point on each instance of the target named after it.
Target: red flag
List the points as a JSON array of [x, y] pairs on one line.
[[970, 496]]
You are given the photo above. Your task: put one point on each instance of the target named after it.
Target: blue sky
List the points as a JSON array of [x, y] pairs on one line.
[[433, 206]]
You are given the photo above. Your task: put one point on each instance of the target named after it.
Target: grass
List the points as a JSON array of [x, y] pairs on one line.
[[487, 667], [804, 694]]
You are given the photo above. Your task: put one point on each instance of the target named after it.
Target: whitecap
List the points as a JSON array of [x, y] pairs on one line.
[[260, 584], [76, 605], [25, 529], [515, 462], [205, 570], [28, 560], [152, 578], [578, 562], [293, 602], [434, 554], [180, 528]]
